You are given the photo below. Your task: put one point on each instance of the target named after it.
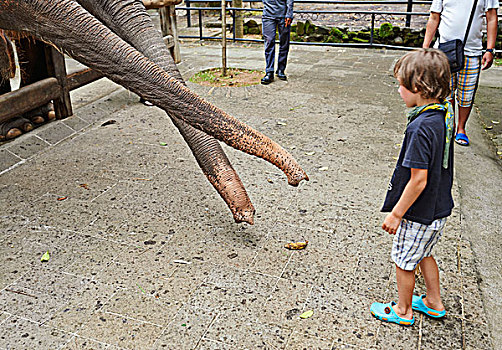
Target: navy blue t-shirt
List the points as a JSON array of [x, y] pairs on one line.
[[423, 148]]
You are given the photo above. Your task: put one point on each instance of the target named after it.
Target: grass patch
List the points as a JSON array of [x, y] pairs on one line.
[[235, 77], [498, 62]]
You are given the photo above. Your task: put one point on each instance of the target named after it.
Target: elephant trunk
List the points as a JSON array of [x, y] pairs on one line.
[[68, 25], [129, 20], [218, 170]]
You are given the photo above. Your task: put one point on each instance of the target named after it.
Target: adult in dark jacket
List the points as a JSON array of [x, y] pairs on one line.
[[277, 14]]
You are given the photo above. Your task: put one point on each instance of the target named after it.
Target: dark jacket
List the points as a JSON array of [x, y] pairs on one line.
[[278, 8]]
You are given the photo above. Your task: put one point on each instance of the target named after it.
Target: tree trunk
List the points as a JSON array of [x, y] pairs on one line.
[[239, 19]]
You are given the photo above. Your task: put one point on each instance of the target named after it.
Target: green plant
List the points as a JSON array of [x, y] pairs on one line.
[[336, 32], [206, 75], [333, 39], [385, 30], [364, 35], [360, 40], [309, 27], [300, 28]]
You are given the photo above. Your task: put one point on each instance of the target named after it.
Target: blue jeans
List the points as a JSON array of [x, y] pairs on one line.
[[269, 26]]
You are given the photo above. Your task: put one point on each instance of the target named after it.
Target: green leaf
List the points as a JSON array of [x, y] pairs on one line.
[[45, 257], [141, 289], [163, 143], [307, 314]]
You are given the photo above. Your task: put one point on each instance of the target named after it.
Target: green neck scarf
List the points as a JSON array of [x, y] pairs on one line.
[[449, 121]]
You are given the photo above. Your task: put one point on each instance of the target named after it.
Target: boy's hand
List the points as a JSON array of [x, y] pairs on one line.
[[287, 22], [391, 223], [413, 189]]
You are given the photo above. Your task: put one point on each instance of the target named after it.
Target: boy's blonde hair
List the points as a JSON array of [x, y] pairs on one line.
[[425, 71]]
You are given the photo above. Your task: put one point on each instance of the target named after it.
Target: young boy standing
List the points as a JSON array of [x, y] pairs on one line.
[[419, 195]]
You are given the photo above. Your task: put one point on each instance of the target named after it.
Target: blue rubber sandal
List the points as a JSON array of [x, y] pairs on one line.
[[462, 139], [385, 313], [418, 305]]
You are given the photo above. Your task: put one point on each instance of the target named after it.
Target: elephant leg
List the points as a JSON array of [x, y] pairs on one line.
[[67, 25], [129, 20]]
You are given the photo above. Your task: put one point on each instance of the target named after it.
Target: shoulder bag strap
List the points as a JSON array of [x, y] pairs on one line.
[[470, 21]]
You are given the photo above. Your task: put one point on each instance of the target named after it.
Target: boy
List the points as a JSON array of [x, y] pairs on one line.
[[419, 195]]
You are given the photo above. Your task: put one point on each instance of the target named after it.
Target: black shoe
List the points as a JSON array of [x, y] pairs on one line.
[[280, 74], [268, 78]]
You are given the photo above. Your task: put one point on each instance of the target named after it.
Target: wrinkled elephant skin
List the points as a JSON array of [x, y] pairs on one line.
[[117, 38]]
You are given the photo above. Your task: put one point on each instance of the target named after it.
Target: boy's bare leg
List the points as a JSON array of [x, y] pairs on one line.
[[430, 272], [405, 285], [463, 115]]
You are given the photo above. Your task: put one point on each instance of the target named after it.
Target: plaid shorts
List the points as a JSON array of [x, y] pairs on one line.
[[414, 241], [463, 84]]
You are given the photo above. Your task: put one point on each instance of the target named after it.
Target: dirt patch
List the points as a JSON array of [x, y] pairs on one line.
[[235, 77]]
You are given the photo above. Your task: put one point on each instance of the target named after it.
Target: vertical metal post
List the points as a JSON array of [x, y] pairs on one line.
[[200, 24], [408, 16], [189, 16], [372, 28]]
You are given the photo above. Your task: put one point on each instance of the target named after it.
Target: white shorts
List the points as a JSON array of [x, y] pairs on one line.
[[414, 241]]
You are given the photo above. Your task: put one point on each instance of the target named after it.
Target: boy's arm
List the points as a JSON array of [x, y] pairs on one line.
[[412, 191], [491, 36], [430, 29]]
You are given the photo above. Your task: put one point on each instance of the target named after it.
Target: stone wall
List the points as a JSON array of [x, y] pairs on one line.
[[385, 34]]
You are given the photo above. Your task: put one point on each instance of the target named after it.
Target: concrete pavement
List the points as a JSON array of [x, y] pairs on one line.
[[145, 255]]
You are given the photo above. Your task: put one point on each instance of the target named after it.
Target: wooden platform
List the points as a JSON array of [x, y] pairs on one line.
[[57, 88]]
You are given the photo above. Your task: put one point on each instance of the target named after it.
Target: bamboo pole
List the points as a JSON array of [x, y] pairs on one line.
[[224, 37]]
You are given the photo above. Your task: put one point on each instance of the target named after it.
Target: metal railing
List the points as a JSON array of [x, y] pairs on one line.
[[409, 5], [372, 14]]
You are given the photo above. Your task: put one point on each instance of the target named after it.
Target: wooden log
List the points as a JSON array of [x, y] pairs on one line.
[[13, 104]]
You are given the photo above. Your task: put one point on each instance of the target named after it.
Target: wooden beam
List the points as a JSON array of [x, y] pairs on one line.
[[25, 99], [82, 77], [56, 67], [170, 29]]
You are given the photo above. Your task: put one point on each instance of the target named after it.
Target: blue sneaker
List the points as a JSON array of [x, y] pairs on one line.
[[418, 305], [385, 313]]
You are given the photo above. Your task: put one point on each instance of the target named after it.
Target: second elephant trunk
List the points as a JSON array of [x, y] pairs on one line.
[[129, 20]]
